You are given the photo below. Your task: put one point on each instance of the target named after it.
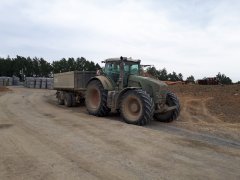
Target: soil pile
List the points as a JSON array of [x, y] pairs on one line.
[[212, 108]]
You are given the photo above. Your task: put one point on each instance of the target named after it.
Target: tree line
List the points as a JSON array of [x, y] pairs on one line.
[[39, 67], [163, 75]]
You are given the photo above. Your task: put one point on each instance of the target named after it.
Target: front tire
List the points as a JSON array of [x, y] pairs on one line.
[[137, 107], [96, 99], [169, 116]]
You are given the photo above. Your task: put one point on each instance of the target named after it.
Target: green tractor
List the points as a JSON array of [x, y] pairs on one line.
[[139, 99]]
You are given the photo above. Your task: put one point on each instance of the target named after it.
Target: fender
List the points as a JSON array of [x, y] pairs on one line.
[[107, 84]]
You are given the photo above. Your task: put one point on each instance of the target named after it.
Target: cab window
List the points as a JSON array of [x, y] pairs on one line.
[[112, 70], [134, 69]]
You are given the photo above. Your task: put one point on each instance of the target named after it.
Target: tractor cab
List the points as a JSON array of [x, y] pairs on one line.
[[119, 69]]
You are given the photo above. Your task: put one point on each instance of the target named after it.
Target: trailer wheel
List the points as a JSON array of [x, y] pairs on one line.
[[74, 103], [68, 99], [172, 100], [96, 99], [60, 101], [59, 98], [137, 107]]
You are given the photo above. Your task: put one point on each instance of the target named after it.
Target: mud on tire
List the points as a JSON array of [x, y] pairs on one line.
[[136, 107], [96, 99], [172, 100]]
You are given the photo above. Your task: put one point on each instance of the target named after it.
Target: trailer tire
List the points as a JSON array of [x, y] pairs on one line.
[[74, 103], [60, 101], [96, 99], [68, 99]]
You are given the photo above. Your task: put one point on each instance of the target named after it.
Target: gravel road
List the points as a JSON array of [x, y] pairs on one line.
[[41, 140]]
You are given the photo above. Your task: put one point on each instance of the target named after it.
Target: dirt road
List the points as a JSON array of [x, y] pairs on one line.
[[40, 140]]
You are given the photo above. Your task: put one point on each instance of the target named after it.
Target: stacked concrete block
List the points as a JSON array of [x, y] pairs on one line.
[[44, 83], [26, 82], [15, 81], [10, 81], [49, 83], [1, 81], [31, 82], [38, 83], [6, 81]]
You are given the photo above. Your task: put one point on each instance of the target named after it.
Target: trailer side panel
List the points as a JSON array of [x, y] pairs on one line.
[[74, 80]]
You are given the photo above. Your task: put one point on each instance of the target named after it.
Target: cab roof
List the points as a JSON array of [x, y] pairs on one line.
[[125, 59]]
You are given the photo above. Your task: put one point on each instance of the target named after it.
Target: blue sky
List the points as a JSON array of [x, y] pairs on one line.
[[194, 37]]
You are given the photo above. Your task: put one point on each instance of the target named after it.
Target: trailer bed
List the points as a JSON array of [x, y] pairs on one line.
[[73, 80]]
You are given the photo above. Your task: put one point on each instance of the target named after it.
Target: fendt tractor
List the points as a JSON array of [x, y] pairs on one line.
[[118, 88]]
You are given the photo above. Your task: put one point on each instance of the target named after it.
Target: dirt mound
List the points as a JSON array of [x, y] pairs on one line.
[[210, 108], [220, 101]]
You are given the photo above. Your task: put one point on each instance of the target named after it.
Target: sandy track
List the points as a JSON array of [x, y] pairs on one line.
[[40, 140]]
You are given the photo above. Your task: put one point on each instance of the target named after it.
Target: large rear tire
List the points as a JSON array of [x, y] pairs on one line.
[[169, 116], [96, 99], [137, 107]]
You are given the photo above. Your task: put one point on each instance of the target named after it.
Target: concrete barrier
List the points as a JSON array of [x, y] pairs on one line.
[[15, 81], [39, 82], [1, 81], [44, 83], [50, 83], [6, 81]]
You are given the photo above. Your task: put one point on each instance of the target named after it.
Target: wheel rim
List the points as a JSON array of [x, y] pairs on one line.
[[132, 108], [94, 98]]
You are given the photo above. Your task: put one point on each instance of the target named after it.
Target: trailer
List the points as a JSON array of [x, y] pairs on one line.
[[71, 86]]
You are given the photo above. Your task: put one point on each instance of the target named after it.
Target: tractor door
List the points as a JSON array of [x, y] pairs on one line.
[[130, 69], [112, 70]]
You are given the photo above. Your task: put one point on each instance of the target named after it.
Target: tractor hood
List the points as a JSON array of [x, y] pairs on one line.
[[155, 88], [147, 80]]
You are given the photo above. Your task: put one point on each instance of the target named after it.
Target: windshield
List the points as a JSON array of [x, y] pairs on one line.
[[134, 69]]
